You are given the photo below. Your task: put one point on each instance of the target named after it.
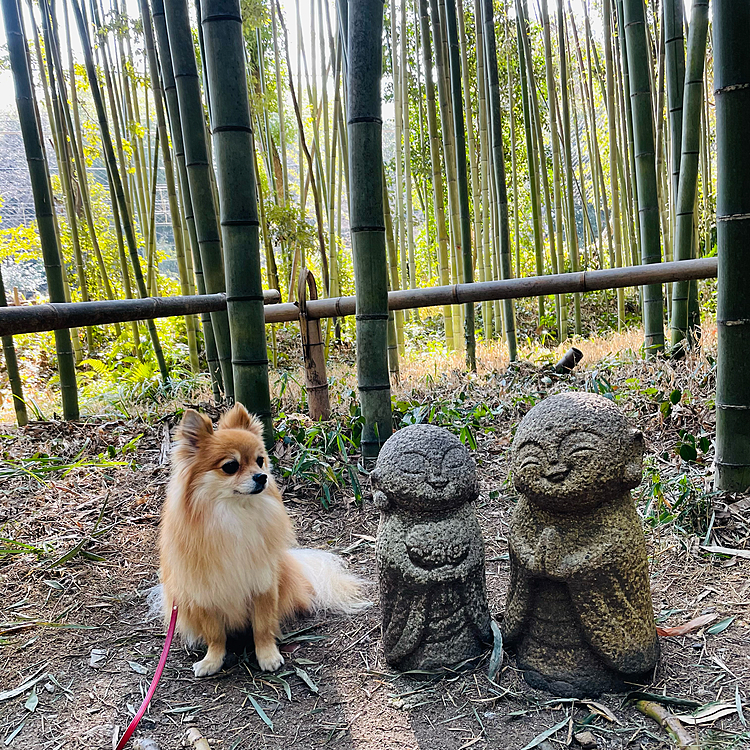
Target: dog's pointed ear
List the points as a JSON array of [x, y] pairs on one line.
[[238, 418], [194, 428]]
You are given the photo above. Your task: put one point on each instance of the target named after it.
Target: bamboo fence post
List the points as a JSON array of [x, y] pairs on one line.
[[313, 356], [365, 25]]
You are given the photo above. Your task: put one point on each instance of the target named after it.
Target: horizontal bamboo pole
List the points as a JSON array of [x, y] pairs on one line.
[[50, 317], [54, 316]]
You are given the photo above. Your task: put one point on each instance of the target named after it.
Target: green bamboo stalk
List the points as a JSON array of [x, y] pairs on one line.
[[199, 169], [437, 172], [513, 167], [40, 185], [116, 181], [11, 365], [568, 159], [446, 127], [461, 178], [57, 121], [393, 341], [613, 176], [528, 96], [692, 105], [174, 209], [173, 112], [643, 132], [367, 222], [498, 162], [280, 104], [405, 96], [234, 148], [675, 63], [731, 20], [556, 170]]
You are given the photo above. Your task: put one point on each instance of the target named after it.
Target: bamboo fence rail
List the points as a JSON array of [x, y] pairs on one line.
[[51, 317]]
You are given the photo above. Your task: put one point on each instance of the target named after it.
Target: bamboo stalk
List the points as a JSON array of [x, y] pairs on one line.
[[498, 161], [365, 24], [692, 105], [643, 132], [235, 151], [11, 365], [732, 96], [117, 184], [43, 206], [199, 170]]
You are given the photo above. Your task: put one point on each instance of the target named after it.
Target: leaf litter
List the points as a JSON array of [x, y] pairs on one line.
[[341, 657]]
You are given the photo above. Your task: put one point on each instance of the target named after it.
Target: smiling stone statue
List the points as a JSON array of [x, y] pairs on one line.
[[429, 551], [579, 611]]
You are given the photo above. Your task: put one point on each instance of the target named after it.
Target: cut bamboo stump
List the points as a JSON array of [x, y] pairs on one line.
[[316, 380]]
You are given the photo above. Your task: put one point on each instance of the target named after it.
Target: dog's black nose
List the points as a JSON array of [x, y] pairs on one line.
[[260, 479]]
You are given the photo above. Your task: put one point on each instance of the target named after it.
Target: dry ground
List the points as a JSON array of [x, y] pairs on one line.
[[80, 625]]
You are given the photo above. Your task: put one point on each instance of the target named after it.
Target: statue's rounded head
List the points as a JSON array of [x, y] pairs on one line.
[[574, 451], [424, 468]]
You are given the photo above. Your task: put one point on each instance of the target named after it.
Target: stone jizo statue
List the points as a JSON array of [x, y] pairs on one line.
[[429, 551], [579, 611]]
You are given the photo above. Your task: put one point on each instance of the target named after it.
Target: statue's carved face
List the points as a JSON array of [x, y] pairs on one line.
[[425, 468], [573, 454]]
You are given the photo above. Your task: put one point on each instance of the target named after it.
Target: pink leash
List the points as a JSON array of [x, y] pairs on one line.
[[152, 688]]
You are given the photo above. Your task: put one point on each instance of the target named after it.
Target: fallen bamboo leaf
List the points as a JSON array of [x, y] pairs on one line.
[[196, 739], [720, 627], [738, 703], [545, 734], [709, 713], [602, 710], [138, 668], [32, 701], [743, 553], [22, 688], [263, 715], [15, 732], [668, 722], [687, 627], [305, 677], [496, 659]]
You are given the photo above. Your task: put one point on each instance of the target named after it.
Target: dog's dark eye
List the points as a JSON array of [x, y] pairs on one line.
[[260, 462], [230, 467]]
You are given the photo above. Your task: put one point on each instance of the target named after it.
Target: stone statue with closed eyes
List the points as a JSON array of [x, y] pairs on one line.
[[579, 613], [429, 551]]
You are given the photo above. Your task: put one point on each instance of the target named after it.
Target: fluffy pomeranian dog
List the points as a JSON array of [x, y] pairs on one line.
[[227, 546]]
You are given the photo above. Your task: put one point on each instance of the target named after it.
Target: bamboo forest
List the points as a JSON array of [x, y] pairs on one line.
[[357, 217]]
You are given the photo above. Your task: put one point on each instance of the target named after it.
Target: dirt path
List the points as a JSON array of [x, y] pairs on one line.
[[80, 626]]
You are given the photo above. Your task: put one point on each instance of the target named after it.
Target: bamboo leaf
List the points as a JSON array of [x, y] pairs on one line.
[[545, 734], [305, 677], [260, 712]]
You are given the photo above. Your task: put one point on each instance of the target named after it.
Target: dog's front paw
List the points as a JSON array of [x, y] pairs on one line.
[[269, 658], [207, 666]]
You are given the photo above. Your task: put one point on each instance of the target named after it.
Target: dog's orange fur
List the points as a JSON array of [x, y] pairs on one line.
[[224, 548]]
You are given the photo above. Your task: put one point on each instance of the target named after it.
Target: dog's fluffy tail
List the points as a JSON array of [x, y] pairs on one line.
[[335, 590]]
